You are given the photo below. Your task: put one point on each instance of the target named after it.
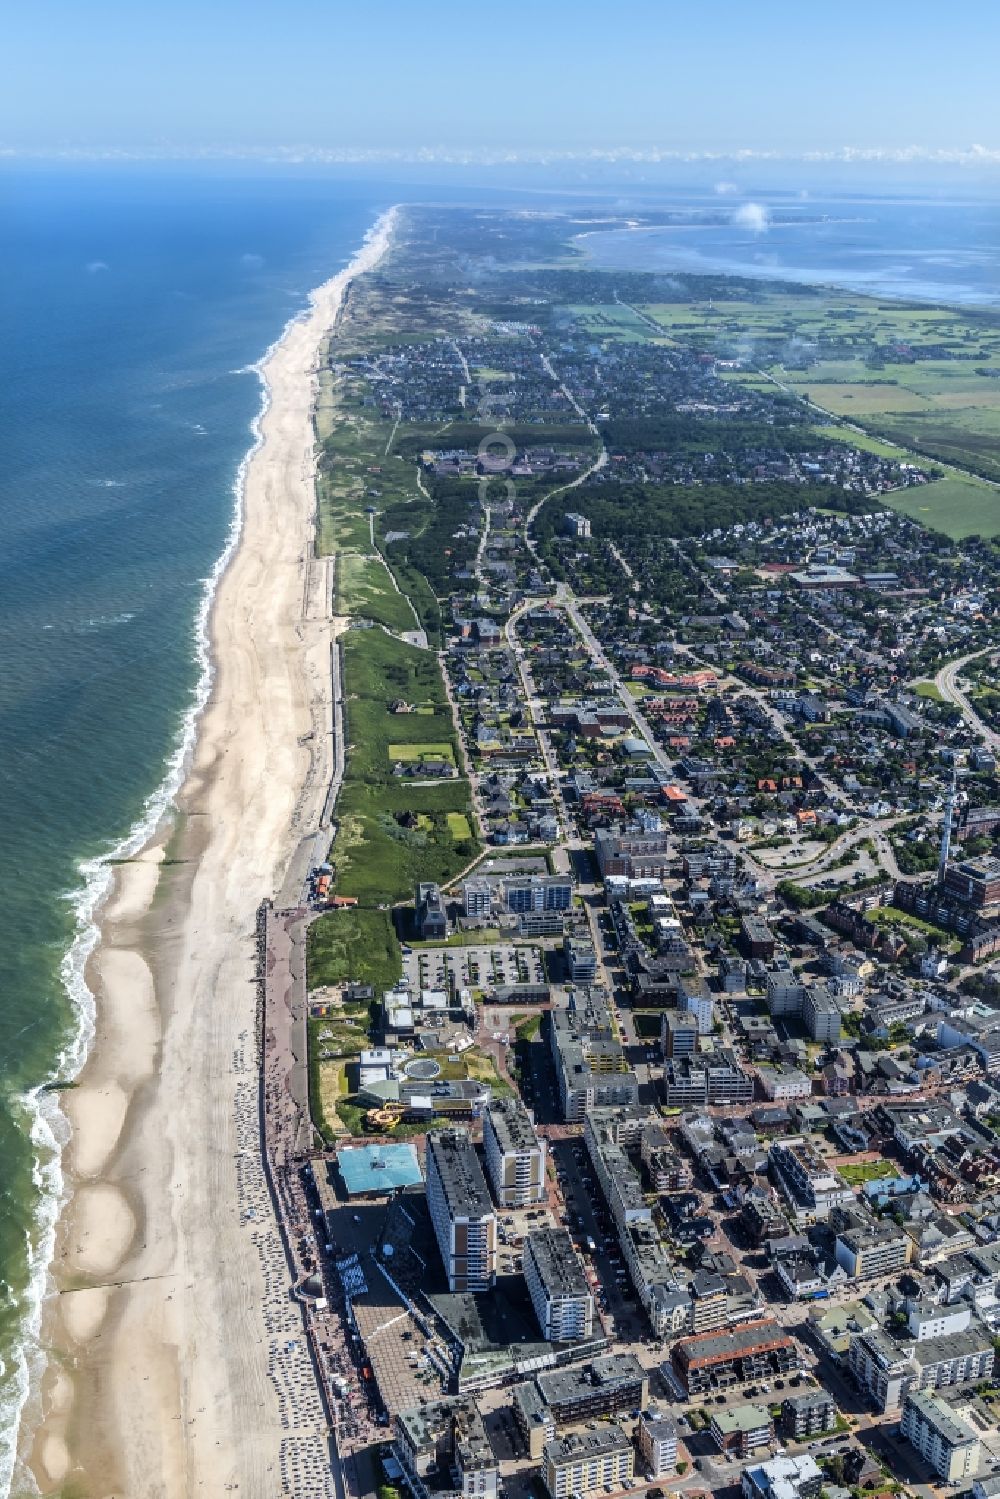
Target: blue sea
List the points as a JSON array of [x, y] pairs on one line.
[[135, 306]]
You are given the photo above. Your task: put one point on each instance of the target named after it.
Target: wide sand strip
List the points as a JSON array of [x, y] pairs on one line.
[[169, 1376]]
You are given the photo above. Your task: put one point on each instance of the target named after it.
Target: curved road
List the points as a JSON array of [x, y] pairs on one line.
[[946, 683]]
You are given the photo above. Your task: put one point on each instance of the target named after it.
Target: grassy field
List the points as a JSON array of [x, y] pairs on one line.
[[325, 406], [860, 400], [365, 590], [928, 689], [958, 507], [331, 1045], [422, 751], [458, 825], [859, 440], [393, 833], [609, 320], [353, 944]]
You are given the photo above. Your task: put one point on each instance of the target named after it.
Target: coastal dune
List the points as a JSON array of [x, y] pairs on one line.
[[178, 1365]]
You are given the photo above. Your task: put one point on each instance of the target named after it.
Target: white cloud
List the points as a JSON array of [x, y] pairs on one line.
[[726, 189], [752, 216], [251, 261], [93, 267], [973, 155]]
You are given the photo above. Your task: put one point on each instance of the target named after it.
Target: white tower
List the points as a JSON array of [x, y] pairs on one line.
[[949, 812]]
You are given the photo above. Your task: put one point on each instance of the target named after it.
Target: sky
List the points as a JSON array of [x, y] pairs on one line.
[[320, 78]]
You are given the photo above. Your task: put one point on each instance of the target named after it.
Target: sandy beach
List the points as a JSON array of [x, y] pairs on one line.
[[174, 1367]]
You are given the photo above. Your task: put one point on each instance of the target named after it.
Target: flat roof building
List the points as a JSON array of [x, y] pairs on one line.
[[538, 892], [656, 1438], [581, 959], [946, 1443], [974, 882], [783, 1478], [873, 1249], [742, 1430], [557, 1285], [447, 1437], [881, 1368], [586, 1462], [515, 1156], [378, 1169], [430, 917], [807, 1415], [812, 1187], [461, 1211], [742, 1355], [565, 1396], [590, 1063]]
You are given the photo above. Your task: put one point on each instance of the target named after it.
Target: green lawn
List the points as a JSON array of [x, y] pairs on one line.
[[353, 944], [867, 1171], [928, 689], [422, 751], [893, 916]]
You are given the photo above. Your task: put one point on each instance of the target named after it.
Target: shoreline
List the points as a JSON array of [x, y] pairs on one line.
[[153, 1192]]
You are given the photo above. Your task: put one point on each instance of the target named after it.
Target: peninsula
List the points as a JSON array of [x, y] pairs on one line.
[[556, 1048]]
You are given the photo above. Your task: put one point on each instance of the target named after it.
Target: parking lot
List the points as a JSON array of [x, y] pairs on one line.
[[482, 967]]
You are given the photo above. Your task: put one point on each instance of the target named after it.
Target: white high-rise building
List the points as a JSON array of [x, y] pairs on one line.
[[557, 1286], [461, 1211], [515, 1156]]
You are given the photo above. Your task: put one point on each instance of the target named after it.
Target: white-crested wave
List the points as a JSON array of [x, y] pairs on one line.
[[48, 1126], [103, 621]]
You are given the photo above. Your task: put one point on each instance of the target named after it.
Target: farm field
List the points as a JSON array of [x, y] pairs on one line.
[[956, 506], [860, 400], [914, 383], [610, 320]]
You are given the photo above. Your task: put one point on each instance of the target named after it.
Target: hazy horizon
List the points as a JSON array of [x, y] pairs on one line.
[[647, 92]]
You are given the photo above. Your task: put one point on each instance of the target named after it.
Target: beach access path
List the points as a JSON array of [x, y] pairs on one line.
[[182, 1367]]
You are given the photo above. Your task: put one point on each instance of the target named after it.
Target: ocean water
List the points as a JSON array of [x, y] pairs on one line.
[[134, 309], [928, 249]]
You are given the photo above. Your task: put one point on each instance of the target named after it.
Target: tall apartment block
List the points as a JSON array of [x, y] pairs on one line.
[[944, 1440], [461, 1211], [515, 1156], [557, 1286]]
